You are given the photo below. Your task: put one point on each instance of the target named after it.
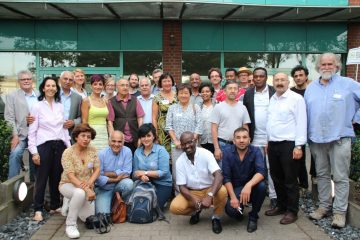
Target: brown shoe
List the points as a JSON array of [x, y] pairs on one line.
[[274, 211], [288, 218]]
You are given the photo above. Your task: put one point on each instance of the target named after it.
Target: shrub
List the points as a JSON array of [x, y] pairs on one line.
[[355, 156], [5, 139]]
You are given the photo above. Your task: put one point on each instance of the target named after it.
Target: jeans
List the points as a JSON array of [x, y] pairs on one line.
[[15, 158], [104, 197], [257, 197], [163, 194], [222, 146]]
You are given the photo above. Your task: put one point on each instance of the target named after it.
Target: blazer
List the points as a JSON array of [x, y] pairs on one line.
[[16, 110], [75, 109], [249, 104]]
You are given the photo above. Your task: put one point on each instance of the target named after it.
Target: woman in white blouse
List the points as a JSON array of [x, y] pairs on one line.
[[207, 92]]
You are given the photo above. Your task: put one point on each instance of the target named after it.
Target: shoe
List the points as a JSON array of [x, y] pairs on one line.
[[195, 218], [338, 220], [216, 225], [72, 231], [38, 216], [252, 226], [288, 218], [273, 202], [318, 214], [275, 211], [58, 210], [65, 206]]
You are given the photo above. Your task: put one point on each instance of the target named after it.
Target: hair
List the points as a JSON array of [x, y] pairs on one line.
[[108, 80], [97, 78], [241, 129], [137, 76], [230, 82], [203, 85], [261, 68], [78, 70], [83, 127], [145, 129], [157, 70], [231, 70], [119, 132], [42, 93], [183, 86], [299, 68], [63, 72], [215, 70], [328, 54], [166, 75], [148, 80], [24, 72]]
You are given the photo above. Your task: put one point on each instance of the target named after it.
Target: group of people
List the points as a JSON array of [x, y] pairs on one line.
[[221, 144]]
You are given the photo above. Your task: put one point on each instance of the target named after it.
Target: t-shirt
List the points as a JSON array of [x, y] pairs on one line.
[[298, 91]]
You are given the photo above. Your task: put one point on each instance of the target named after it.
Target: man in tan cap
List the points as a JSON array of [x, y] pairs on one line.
[[243, 76]]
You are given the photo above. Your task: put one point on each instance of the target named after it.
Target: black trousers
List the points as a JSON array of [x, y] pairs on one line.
[[302, 172], [209, 146], [131, 145], [283, 171], [50, 168]]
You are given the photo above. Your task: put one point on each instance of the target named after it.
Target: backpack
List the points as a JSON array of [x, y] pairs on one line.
[[142, 206]]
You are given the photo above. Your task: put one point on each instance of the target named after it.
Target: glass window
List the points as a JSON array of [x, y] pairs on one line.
[[199, 62], [142, 63]]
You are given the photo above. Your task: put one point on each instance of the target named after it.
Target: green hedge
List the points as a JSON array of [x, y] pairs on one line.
[[5, 139], [355, 156]]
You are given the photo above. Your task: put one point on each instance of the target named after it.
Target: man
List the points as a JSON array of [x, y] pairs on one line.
[[200, 181], [115, 170], [257, 100], [243, 76], [134, 84], [155, 77], [146, 99], [125, 114], [244, 173], [286, 130], [215, 76], [230, 75], [300, 76], [70, 100], [195, 82], [332, 102], [17, 115], [226, 117]]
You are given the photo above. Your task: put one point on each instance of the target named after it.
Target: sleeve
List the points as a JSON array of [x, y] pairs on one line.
[[77, 120], [126, 168], [198, 123], [259, 163], [9, 113], [213, 166], [139, 109], [136, 160], [111, 116], [66, 161], [226, 167], [163, 160], [170, 118], [102, 179], [215, 115], [33, 128], [180, 173], [301, 122], [246, 115]]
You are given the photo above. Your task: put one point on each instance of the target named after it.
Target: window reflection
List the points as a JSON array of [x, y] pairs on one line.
[[142, 63], [199, 62]]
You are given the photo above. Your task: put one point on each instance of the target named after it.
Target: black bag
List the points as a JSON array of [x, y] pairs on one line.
[[101, 222]]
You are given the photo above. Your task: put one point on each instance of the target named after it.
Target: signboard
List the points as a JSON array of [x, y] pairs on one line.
[[353, 56]]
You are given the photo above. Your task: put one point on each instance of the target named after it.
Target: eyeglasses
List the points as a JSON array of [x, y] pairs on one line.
[[187, 143], [25, 79]]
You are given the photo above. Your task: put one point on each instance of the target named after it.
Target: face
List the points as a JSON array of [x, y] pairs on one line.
[[79, 78], [26, 82], [116, 142], [166, 84], [134, 81], [251, 80], [327, 67], [215, 78], [300, 78], [243, 77], [230, 75], [206, 93], [123, 86], [110, 87], [83, 139], [156, 77], [50, 88], [66, 81], [231, 91], [188, 144], [97, 87], [195, 80], [147, 140], [259, 78], [281, 83], [184, 96], [241, 140], [145, 87]]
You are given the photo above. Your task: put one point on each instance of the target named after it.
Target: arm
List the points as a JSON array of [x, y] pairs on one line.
[[110, 118], [226, 167], [234, 202], [33, 128], [170, 121], [155, 109], [214, 134], [195, 202], [301, 127], [140, 113], [198, 122], [218, 179], [85, 106], [9, 115], [246, 191]]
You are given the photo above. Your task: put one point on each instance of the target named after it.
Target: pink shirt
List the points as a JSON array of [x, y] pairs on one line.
[[139, 113], [48, 125], [221, 96]]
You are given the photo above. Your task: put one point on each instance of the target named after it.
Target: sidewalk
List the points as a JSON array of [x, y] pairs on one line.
[[179, 228]]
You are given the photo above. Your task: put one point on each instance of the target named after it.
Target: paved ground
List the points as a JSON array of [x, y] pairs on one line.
[[179, 228]]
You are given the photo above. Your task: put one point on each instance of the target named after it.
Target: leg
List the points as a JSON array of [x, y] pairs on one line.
[[219, 201], [55, 174], [103, 200], [15, 158], [175, 154], [124, 187], [163, 194], [271, 188], [302, 172], [181, 206], [257, 197], [230, 211], [312, 166]]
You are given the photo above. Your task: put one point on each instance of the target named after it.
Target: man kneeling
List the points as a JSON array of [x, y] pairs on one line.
[[200, 181], [244, 172]]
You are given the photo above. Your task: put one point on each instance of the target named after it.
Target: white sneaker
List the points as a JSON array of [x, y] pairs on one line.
[[72, 231], [65, 206]]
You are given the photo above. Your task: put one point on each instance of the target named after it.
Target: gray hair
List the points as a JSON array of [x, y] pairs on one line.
[[63, 73], [157, 71], [147, 79], [336, 59], [116, 132], [24, 72]]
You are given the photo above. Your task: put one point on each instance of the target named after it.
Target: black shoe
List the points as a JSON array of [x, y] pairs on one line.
[[252, 226], [194, 219], [216, 226]]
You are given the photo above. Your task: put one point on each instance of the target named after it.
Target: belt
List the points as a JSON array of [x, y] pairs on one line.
[[225, 141]]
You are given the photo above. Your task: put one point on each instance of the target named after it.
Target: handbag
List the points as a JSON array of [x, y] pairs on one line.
[[100, 222], [118, 209]]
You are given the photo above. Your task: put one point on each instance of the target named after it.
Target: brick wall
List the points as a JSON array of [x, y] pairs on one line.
[[354, 2], [172, 48], [353, 41]]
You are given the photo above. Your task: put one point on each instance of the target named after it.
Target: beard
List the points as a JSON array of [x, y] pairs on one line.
[[326, 74]]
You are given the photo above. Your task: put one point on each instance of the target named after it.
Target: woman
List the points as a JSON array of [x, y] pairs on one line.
[[79, 83], [47, 141], [161, 103], [81, 169], [151, 163], [181, 117], [207, 92], [109, 88], [94, 111]]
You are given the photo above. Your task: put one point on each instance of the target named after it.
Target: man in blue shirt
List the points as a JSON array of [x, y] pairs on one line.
[[115, 170], [244, 173], [332, 105]]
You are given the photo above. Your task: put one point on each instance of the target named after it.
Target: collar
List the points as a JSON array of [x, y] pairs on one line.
[[284, 95], [153, 149], [234, 150], [266, 89], [31, 95], [128, 98], [150, 97], [63, 94], [333, 77]]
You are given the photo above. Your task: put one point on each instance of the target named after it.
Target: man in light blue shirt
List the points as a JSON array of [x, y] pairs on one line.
[[115, 170], [332, 102], [146, 98]]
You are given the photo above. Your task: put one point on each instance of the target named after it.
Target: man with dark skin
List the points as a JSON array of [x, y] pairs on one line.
[[200, 190]]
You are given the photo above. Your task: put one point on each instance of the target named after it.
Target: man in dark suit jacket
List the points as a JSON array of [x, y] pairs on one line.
[[256, 100]]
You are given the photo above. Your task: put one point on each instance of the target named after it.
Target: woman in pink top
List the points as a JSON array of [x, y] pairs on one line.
[[47, 141]]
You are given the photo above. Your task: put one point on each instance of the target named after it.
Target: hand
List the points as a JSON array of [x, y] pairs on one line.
[[245, 194], [218, 154], [234, 203], [36, 159], [30, 119], [144, 178], [90, 194], [177, 144], [84, 185], [206, 202], [196, 203], [139, 173], [297, 154], [14, 142], [69, 124]]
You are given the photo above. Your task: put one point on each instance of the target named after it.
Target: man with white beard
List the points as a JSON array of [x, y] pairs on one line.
[[332, 102]]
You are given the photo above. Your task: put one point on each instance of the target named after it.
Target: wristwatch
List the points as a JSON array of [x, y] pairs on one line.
[[210, 194], [146, 172], [298, 147]]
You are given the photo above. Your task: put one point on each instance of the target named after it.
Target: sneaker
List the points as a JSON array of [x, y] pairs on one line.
[[38, 216], [65, 206], [72, 231], [318, 214], [338, 220]]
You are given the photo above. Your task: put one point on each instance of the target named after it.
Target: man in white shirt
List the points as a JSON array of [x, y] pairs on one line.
[[200, 182], [146, 98], [286, 130]]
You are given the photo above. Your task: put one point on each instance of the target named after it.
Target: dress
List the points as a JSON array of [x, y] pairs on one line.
[[97, 120], [164, 104]]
